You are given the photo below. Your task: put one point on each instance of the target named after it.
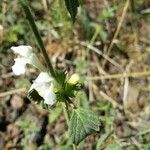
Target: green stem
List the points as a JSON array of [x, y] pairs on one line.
[[92, 39], [37, 35], [67, 116], [66, 112], [94, 36], [75, 147]]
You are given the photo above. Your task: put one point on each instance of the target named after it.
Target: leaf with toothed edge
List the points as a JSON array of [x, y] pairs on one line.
[[72, 7], [83, 123]]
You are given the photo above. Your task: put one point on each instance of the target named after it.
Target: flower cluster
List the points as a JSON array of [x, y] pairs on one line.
[[44, 83]]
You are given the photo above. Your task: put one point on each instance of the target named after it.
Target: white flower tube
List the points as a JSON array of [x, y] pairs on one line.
[[44, 86], [26, 57]]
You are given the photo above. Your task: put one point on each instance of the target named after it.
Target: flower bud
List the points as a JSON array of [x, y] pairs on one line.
[[74, 79]]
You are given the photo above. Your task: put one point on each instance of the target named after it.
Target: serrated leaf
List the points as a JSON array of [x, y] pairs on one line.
[[83, 123], [72, 7]]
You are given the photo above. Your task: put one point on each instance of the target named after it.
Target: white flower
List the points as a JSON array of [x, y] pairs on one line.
[[44, 86], [22, 50], [74, 79], [26, 57], [19, 66], [49, 96]]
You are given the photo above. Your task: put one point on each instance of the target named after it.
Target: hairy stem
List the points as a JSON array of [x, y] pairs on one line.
[[37, 35], [67, 116], [66, 112]]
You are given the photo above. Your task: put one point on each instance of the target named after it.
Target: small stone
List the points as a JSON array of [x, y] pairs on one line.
[[17, 102], [13, 130]]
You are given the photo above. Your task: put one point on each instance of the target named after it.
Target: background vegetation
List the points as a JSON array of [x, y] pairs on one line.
[[108, 46]]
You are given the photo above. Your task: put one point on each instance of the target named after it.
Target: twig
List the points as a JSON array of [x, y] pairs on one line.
[[118, 29], [100, 70], [91, 97], [126, 89], [96, 50], [126, 82], [144, 40], [112, 101], [145, 11], [3, 94], [44, 2], [7, 75], [136, 143], [115, 76]]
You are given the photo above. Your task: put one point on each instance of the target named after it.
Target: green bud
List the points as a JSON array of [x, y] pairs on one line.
[[74, 79]]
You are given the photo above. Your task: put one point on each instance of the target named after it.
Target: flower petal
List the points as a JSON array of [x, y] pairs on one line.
[[22, 50], [19, 66], [43, 78], [29, 55], [49, 96], [44, 87]]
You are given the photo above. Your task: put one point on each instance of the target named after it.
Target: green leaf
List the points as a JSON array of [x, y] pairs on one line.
[[72, 7], [83, 123]]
